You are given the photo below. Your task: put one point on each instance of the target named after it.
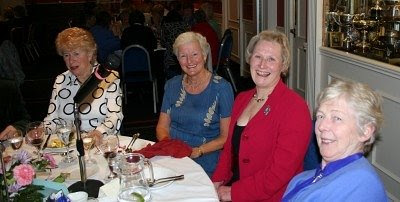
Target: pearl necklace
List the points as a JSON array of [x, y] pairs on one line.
[[258, 99]]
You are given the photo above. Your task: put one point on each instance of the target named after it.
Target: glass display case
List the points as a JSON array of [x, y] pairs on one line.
[[369, 28]]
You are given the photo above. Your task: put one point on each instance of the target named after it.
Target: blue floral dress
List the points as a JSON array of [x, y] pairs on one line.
[[195, 118]]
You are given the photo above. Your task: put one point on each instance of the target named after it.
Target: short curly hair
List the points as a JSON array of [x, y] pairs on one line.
[[187, 37], [366, 103], [73, 38]]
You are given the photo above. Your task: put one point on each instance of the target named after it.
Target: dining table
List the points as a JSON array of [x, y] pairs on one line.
[[196, 185]]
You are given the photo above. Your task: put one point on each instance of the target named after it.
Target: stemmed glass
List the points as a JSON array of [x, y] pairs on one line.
[[65, 132], [16, 139], [109, 148], [88, 144], [34, 135]]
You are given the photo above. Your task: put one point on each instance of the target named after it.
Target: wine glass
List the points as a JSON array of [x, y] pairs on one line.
[[109, 148], [16, 139], [88, 144], [34, 136], [65, 132]]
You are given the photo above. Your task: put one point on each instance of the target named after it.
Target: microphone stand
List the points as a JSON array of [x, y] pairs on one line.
[[85, 183], [3, 168]]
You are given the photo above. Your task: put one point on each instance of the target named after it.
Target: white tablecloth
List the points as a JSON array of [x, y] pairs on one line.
[[196, 186]]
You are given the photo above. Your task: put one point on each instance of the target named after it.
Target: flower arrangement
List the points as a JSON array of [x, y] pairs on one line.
[[20, 175]]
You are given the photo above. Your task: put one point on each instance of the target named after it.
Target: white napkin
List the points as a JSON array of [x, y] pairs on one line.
[[110, 190]]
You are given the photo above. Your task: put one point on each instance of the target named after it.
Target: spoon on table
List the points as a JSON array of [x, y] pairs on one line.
[[133, 140]]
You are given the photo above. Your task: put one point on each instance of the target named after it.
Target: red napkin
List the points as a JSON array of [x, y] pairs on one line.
[[168, 147]]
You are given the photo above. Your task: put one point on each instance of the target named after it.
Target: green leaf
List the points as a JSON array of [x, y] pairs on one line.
[[59, 179], [30, 193]]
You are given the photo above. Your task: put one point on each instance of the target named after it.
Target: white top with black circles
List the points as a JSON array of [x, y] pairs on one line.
[[102, 110]]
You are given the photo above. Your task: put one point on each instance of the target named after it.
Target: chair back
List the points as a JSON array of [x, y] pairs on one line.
[[136, 66], [225, 49]]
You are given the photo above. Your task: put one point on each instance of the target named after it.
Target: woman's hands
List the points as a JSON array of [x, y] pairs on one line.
[[9, 130], [97, 135], [196, 152], [224, 192]]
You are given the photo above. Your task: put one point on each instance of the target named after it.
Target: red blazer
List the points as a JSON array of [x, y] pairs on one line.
[[272, 146]]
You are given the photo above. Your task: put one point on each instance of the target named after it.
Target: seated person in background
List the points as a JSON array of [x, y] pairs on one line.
[[105, 39], [269, 131], [100, 113], [201, 26], [209, 11], [124, 19], [171, 27], [10, 63], [157, 14], [187, 13], [349, 116], [197, 105], [139, 34], [13, 115]]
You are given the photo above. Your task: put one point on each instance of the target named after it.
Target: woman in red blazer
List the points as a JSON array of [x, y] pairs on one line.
[[269, 130]]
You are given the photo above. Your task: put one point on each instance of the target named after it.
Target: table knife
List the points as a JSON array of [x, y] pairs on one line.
[[45, 143]]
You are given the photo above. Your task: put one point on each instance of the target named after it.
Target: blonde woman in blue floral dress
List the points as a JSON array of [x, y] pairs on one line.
[[197, 105]]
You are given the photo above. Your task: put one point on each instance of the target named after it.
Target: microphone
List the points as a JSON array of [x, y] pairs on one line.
[[99, 74]]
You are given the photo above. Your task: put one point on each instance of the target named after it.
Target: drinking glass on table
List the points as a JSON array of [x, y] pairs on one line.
[[65, 132], [109, 148], [35, 134], [16, 139], [88, 144]]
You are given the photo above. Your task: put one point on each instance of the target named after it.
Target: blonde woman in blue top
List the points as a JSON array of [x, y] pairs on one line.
[[197, 105], [349, 116]]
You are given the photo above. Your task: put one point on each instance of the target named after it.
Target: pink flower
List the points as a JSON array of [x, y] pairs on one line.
[[24, 174], [50, 159]]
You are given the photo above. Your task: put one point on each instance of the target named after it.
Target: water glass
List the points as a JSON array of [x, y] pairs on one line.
[[65, 132], [88, 144], [16, 139]]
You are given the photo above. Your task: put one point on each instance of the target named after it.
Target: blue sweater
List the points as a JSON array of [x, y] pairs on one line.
[[356, 181]]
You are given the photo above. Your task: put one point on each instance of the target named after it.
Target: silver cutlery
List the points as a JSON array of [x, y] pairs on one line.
[[165, 179], [133, 140]]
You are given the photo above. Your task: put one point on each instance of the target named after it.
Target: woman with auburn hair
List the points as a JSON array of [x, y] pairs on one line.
[[100, 113]]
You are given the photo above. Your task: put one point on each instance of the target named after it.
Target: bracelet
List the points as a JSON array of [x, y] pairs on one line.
[[200, 151]]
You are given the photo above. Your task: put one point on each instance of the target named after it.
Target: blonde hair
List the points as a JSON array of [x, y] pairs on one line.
[[366, 103], [74, 38], [187, 37], [271, 36]]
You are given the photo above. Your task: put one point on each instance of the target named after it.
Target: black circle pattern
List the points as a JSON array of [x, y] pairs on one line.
[[69, 109], [52, 108], [99, 92], [94, 122], [64, 93], [101, 109], [85, 108], [61, 79], [62, 105]]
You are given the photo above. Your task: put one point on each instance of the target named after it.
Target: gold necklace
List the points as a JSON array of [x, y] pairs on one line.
[[258, 99]]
